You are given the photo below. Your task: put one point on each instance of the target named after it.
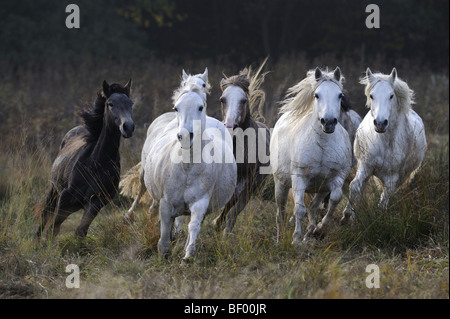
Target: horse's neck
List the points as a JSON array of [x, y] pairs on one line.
[[107, 147], [248, 122]]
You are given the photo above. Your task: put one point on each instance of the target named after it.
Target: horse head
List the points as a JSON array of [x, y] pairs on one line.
[[381, 99], [327, 98], [190, 108], [235, 100], [119, 107]]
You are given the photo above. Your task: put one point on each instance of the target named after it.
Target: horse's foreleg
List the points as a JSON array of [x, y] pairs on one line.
[[335, 198], [389, 186], [281, 195], [298, 192], [243, 191], [219, 220], [90, 213], [198, 211], [355, 194], [166, 216], [312, 210]]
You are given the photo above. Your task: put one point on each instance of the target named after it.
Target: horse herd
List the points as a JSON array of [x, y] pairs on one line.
[[193, 164]]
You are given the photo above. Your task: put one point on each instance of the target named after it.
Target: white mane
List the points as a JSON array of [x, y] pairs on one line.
[[189, 87], [403, 94], [299, 98]]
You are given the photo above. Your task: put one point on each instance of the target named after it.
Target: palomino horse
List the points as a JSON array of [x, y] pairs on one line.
[[390, 142], [241, 100], [86, 172], [310, 151]]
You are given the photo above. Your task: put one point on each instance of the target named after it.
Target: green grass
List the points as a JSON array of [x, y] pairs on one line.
[[409, 242]]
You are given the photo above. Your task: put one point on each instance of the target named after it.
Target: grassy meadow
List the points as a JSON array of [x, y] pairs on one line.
[[408, 242]]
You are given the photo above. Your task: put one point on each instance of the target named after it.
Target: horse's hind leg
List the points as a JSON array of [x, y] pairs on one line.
[[66, 206], [48, 208]]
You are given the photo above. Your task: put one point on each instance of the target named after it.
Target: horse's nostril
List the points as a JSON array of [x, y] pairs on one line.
[[375, 122], [385, 123], [322, 121], [335, 121]]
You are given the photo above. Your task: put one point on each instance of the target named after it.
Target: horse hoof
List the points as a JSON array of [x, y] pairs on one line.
[[188, 260]]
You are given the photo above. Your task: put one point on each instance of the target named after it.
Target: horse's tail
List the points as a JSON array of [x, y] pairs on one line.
[[132, 182], [43, 210]]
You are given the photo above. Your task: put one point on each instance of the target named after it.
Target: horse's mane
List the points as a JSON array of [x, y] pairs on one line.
[[191, 77], [92, 116], [250, 83], [299, 98], [403, 94], [189, 87]]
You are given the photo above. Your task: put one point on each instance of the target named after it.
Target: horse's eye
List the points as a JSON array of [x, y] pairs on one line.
[[371, 96], [175, 109], [316, 95], [222, 100], [200, 108], [110, 104], [243, 101], [341, 95], [204, 85], [391, 97]]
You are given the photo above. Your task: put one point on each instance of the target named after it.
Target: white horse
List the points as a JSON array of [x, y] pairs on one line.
[[390, 142], [310, 151], [198, 185], [136, 174]]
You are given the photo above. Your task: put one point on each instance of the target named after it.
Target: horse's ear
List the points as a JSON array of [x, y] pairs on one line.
[[369, 74], [337, 74], [128, 87], [318, 73], [106, 88], [205, 75], [393, 75], [184, 75], [222, 83]]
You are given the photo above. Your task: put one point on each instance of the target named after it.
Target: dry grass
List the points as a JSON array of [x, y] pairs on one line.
[[409, 243]]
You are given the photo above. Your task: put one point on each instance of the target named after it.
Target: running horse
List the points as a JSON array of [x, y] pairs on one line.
[[86, 172]]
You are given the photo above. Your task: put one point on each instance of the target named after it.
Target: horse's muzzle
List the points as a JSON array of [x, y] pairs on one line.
[[328, 125], [380, 126], [127, 129], [186, 140]]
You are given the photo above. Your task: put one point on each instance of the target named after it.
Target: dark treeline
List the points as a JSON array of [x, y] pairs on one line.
[[235, 30]]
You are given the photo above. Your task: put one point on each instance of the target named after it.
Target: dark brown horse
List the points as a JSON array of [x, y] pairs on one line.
[[240, 98], [86, 172]]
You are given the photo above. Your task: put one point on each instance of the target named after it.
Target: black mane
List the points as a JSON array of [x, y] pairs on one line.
[[92, 116]]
